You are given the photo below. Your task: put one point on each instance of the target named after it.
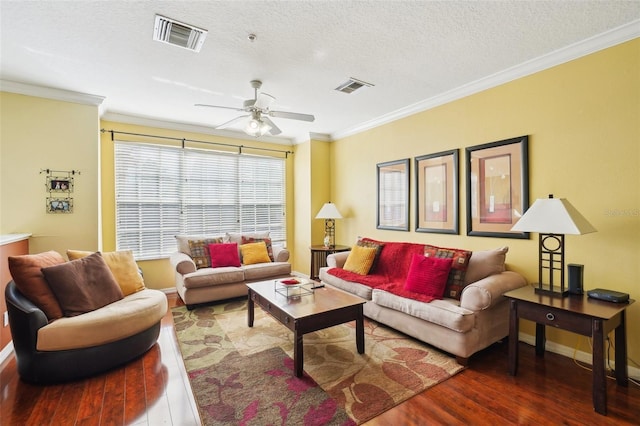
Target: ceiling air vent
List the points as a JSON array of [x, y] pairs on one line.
[[179, 34], [352, 85]]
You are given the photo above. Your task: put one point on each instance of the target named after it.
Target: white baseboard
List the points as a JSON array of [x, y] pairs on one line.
[[583, 357], [6, 352]]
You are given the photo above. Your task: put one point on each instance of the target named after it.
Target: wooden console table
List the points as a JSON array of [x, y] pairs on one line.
[[319, 258], [578, 314]]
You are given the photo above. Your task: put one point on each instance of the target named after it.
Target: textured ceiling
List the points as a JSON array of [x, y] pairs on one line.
[[412, 51]]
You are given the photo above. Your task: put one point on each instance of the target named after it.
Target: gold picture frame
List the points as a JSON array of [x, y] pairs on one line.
[[393, 195], [437, 192], [497, 187]]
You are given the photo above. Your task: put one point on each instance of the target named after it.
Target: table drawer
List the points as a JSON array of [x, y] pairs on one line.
[[553, 317], [274, 311]]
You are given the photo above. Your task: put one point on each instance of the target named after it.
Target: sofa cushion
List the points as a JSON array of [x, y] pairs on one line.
[[460, 262], [122, 265], [485, 263], [444, 312], [253, 253], [267, 242], [360, 259], [183, 241], [236, 237], [360, 290], [208, 277], [26, 271], [224, 254], [200, 251], [378, 245], [83, 285], [428, 275], [111, 323], [263, 271]]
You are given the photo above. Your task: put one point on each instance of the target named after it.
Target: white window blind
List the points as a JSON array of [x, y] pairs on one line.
[[163, 191]]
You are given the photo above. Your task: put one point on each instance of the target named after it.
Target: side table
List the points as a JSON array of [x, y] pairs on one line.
[[319, 258], [578, 314]]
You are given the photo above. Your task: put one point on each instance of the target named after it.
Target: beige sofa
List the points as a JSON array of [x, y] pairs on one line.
[[206, 284], [460, 327]]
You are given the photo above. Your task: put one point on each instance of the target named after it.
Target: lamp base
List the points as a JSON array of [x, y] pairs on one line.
[[544, 289]]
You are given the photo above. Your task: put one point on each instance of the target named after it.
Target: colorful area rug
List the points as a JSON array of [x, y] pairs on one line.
[[244, 376]]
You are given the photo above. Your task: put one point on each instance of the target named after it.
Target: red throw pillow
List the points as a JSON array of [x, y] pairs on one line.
[[428, 275], [224, 254], [459, 262]]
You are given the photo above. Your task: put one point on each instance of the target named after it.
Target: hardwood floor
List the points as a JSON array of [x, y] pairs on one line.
[[154, 390]]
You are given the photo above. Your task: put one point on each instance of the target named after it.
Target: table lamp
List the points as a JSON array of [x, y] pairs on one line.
[[552, 218], [329, 213]]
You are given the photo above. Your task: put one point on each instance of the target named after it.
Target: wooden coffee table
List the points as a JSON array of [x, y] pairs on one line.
[[323, 308]]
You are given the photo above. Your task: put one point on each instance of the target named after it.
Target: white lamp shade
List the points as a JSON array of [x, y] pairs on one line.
[[553, 216], [329, 211]]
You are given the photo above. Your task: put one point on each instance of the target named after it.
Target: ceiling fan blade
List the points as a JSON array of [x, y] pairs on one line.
[[230, 122], [292, 115], [275, 130], [264, 101], [219, 106]]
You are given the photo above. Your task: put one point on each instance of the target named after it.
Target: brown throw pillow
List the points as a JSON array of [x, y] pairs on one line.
[[26, 271], [122, 265], [83, 285]]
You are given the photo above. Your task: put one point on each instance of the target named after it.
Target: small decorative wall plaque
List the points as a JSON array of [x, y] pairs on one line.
[[59, 186]]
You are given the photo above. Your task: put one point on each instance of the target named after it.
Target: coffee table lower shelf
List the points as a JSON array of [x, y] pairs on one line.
[[325, 308]]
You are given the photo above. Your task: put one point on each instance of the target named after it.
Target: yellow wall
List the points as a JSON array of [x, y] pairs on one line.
[[158, 273], [36, 134], [312, 189], [583, 122]]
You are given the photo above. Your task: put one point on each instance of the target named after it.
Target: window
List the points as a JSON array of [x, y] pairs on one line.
[[164, 191]]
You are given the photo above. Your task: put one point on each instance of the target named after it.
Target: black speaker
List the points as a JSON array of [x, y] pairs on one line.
[[576, 273]]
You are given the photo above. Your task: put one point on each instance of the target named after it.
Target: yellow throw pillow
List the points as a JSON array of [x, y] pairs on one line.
[[123, 267], [254, 253], [360, 259]]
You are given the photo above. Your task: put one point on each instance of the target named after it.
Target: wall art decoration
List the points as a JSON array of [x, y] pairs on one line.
[[59, 185], [393, 195], [437, 192], [497, 187], [59, 205]]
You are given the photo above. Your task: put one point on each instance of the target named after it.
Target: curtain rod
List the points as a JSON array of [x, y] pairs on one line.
[[183, 140]]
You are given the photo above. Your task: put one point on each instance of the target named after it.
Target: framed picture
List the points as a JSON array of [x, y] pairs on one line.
[[59, 205], [497, 187], [393, 195], [59, 184], [437, 192]]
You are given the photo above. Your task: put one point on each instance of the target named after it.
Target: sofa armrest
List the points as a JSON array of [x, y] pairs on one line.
[[280, 253], [182, 263], [488, 291], [337, 260]]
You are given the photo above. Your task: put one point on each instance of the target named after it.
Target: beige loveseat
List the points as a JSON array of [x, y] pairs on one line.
[[460, 327], [199, 283]]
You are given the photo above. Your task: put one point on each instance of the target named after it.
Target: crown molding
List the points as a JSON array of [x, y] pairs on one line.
[[51, 93], [187, 127], [582, 48]]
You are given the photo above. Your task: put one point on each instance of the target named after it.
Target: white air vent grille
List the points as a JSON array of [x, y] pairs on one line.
[[178, 34], [352, 85]]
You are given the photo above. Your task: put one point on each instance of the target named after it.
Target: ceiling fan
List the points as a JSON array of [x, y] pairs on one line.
[[258, 111]]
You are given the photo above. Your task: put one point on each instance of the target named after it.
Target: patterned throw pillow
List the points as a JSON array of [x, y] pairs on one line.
[[378, 245], [200, 251], [267, 242], [459, 264], [360, 260]]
